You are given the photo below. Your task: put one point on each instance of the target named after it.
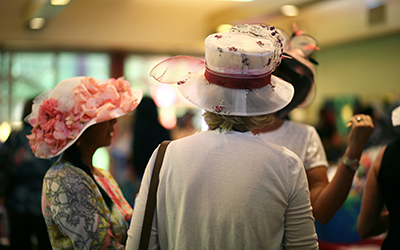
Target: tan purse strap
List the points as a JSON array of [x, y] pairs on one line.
[[152, 198]]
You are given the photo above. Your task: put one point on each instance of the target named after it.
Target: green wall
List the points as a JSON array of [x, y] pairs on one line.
[[368, 69]]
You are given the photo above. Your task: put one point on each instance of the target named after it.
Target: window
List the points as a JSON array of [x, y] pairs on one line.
[[25, 75]]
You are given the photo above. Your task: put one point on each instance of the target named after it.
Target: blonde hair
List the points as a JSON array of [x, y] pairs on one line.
[[237, 123]]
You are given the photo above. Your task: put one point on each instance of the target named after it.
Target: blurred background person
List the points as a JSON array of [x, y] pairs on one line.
[[380, 209], [120, 158], [22, 187], [148, 133]]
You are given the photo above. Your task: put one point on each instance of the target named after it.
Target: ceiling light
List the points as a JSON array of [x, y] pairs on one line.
[[60, 2], [37, 23], [289, 10], [224, 28]]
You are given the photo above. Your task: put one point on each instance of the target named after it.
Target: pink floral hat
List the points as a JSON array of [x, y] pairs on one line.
[[236, 76], [61, 115]]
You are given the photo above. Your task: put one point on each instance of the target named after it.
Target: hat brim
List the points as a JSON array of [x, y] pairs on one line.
[[241, 102]]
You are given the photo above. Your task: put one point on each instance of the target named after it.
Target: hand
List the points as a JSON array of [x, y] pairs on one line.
[[362, 127]]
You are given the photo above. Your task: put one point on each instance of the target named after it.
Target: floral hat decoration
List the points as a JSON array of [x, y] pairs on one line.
[[61, 115], [236, 76], [297, 67]]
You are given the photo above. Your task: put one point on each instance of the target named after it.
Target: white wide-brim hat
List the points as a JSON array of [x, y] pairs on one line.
[[236, 77], [60, 116]]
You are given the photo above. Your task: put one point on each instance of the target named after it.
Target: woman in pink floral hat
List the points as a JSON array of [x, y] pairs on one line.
[[82, 205]]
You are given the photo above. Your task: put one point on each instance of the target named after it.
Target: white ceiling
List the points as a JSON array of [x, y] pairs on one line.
[[180, 26]]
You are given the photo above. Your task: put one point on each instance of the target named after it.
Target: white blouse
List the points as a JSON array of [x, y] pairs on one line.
[[302, 139]]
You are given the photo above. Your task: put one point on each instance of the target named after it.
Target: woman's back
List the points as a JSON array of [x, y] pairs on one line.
[[222, 190]]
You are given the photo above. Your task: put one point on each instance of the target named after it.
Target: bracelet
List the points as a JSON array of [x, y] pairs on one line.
[[351, 164]]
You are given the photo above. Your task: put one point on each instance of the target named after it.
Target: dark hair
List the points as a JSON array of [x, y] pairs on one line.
[[72, 155], [147, 111], [301, 80]]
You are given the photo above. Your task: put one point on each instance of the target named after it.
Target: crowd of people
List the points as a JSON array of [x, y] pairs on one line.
[[253, 180]]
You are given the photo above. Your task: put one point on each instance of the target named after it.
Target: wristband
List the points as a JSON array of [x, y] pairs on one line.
[[351, 164]]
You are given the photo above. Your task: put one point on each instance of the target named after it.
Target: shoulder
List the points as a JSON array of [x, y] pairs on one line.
[[63, 177], [300, 126], [376, 164], [305, 131], [65, 171], [292, 158], [280, 155], [105, 173]]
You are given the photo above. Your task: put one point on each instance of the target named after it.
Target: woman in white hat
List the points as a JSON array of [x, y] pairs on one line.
[[82, 205], [226, 188]]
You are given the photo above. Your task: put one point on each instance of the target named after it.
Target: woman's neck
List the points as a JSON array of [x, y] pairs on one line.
[[87, 156], [277, 123], [88, 162]]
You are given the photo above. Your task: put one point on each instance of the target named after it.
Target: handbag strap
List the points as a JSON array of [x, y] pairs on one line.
[[151, 198]]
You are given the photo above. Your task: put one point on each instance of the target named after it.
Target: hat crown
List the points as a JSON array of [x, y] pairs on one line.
[[245, 50]]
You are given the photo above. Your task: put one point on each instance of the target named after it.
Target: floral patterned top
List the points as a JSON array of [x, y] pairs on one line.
[[76, 214]]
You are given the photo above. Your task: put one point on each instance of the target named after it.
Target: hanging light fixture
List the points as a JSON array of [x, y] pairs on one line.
[[289, 10], [37, 23], [60, 2], [39, 12]]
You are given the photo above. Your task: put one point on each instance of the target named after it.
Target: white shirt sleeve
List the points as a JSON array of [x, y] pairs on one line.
[[299, 222], [315, 152]]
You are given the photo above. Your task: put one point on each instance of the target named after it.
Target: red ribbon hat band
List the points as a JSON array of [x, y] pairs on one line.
[[235, 81]]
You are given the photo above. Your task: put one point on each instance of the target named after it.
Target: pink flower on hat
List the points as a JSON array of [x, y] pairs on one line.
[[128, 102], [60, 131], [48, 115], [35, 138], [120, 84], [110, 94]]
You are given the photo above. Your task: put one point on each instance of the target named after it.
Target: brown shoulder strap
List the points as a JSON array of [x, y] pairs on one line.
[[151, 198]]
